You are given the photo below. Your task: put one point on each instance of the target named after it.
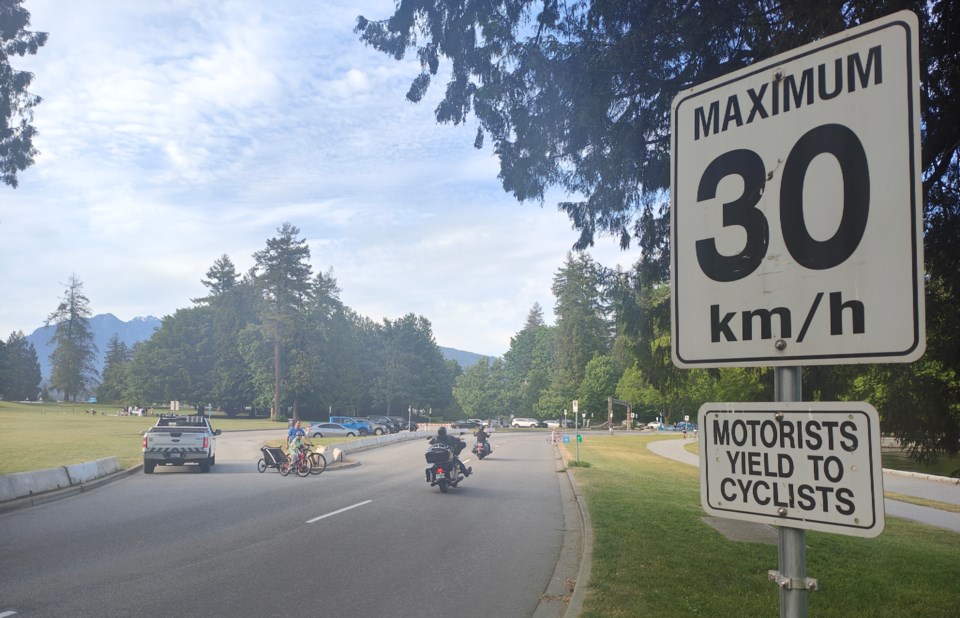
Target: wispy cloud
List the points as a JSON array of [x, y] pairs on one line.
[[174, 132]]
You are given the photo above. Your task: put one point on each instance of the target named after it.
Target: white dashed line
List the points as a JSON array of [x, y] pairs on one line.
[[310, 521]]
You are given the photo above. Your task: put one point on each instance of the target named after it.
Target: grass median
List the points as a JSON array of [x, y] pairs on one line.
[[38, 436], [653, 555]]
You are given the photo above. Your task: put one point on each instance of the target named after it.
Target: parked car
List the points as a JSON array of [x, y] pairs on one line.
[[362, 425], [552, 423], [468, 424], [411, 426], [330, 430], [391, 425], [521, 421], [686, 426]]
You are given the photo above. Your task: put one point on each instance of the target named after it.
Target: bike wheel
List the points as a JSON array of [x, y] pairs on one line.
[[304, 467], [442, 484], [261, 466], [319, 463], [285, 468]]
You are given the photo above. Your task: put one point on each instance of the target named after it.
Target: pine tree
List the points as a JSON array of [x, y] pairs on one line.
[[73, 369], [283, 275], [19, 369]]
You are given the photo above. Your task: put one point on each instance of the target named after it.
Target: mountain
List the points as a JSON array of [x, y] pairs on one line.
[[103, 327], [466, 359], [106, 325]]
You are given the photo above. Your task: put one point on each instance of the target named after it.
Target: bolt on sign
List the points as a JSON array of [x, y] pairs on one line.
[[809, 465], [796, 214]]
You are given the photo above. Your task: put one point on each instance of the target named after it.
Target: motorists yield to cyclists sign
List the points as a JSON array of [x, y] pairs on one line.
[[796, 209]]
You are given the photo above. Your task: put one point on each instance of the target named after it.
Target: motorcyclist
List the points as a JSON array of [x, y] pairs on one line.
[[481, 435], [455, 445]]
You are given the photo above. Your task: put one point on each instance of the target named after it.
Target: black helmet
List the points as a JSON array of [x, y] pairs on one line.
[[442, 431]]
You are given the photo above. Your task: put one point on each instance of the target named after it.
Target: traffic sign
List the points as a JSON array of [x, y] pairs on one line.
[[796, 222], [809, 465]]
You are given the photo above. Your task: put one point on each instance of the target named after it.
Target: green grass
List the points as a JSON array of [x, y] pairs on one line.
[[654, 556], [38, 436]]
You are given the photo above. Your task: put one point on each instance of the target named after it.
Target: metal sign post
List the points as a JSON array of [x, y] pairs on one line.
[[792, 542]]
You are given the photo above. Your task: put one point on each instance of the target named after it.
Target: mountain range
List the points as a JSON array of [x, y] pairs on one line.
[[106, 325]]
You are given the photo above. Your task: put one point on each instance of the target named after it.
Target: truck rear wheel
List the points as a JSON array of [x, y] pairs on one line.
[[204, 465], [148, 467]]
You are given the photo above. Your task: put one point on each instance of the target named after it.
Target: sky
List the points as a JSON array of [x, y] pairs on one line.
[[172, 133]]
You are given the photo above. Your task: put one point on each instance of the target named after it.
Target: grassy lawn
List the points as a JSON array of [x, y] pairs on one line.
[[37, 436], [654, 556]]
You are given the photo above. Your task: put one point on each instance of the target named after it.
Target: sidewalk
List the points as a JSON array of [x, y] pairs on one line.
[[941, 489]]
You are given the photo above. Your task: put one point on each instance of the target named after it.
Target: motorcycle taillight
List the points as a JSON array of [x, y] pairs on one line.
[[439, 470]]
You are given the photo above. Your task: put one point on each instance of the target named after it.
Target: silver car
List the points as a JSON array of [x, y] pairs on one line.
[[330, 430]]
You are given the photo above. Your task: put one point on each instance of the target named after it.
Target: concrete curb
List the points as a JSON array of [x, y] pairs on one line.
[[586, 553], [50, 495], [920, 475], [576, 554], [24, 484]]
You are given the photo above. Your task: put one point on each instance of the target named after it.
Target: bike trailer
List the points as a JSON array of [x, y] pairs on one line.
[[273, 455]]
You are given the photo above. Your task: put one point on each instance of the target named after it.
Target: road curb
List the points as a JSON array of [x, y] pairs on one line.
[[65, 492], [921, 475], [576, 552]]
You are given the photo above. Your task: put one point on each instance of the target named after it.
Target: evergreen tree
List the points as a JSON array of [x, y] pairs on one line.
[[526, 365], [221, 278], [115, 362], [73, 369], [477, 390], [234, 306], [599, 384], [582, 328], [16, 103], [19, 369], [283, 275], [578, 95], [412, 368]]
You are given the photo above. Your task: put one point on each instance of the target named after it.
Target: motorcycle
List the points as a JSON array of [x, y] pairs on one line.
[[444, 471], [482, 449]]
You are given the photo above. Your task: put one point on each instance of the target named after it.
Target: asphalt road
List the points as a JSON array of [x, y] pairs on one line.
[[370, 540]]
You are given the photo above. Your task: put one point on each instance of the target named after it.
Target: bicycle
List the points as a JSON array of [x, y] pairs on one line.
[[318, 463], [301, 464]]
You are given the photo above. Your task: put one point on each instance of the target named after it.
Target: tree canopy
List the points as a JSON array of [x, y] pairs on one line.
[[19, 369], [577, 95], [16, 102]]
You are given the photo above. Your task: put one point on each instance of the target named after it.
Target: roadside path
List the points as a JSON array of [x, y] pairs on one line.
[[908, 484]]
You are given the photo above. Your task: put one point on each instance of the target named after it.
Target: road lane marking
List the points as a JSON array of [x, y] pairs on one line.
[[5, 614], [346, 508]]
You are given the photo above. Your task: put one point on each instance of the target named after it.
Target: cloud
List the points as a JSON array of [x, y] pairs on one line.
[[172, 133]]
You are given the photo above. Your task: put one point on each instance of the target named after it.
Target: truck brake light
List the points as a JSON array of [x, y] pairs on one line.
[[144, 442], [206, 442]]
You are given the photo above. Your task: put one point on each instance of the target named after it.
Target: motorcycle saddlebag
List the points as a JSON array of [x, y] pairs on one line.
[[438, 455]]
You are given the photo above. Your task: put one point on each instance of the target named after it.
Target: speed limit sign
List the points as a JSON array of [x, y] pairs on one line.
[[797, 216]]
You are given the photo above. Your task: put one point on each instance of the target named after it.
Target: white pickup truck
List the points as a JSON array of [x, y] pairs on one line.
[[177, 440]]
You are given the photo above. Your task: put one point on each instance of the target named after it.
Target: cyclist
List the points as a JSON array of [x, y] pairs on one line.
[[296, 446]]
